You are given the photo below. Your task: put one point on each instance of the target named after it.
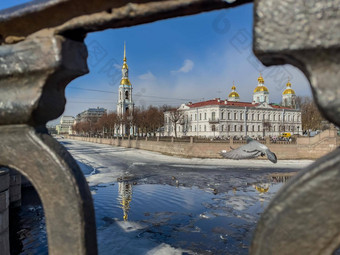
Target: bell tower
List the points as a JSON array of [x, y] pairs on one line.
[[125, 103]]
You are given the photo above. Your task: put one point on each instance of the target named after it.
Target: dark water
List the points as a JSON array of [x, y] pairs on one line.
[[132, 219]]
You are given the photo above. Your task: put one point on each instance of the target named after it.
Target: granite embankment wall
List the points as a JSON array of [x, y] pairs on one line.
[[304, 147]]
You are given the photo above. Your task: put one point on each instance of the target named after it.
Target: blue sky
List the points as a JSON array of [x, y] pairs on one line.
[[178, 60]]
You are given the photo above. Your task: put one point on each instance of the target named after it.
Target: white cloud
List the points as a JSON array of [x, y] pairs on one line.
[[147, 76], [187, 66], [117, 66]]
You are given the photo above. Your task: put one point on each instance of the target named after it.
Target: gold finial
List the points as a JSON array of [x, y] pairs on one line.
[[260, 79], [233, 87], [288, 83], [124, 52]]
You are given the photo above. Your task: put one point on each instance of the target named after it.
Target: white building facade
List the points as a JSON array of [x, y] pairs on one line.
[[65, 126], [232, 118]]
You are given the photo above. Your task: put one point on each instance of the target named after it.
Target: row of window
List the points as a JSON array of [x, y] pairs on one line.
[[240, 116], [237, 128]]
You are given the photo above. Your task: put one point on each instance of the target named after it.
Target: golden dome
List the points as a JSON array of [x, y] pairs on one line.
[[234, 94], [233, 87], [125, 82], [125, 66], [289, 89], [260, 89]]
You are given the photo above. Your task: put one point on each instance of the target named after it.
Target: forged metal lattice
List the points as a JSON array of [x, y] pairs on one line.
[[42, 50]]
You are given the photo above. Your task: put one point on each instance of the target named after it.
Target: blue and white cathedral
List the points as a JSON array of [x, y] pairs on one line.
[[125, 105]]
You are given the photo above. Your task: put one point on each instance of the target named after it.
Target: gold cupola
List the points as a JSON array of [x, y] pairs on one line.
[[288, 89], [125, 70], [260, 87], [233, 96]]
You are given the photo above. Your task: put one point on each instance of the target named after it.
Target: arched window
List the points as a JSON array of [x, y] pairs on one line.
[[252, 117], [228, 115], [258, 128], [235, 117], [126, 94], [205, 115], [241, 117], [253, 128], [222, 115], [200, 117], [241, 128], [205, 128], [213, 116], [235, 129]]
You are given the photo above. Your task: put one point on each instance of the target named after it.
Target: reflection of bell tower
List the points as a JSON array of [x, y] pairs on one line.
[[125, 197], [125, 104]]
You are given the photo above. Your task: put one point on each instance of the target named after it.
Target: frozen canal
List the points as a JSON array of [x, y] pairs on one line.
[[148, 203]]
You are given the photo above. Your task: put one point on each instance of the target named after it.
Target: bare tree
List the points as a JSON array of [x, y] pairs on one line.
[[176, 116], [310, 114]]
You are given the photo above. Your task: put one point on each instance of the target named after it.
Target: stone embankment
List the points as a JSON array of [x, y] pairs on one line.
[[304, 147]]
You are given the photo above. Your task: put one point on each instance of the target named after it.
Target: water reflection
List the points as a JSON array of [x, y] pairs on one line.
[[125, 197], [183, 218]]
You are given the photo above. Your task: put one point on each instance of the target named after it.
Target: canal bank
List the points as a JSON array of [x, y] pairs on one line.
[[304, 147]]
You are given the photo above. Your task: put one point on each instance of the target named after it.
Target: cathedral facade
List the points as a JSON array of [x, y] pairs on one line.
[[233, 118]]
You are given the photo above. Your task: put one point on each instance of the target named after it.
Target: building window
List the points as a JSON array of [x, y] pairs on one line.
[[279, 117], [241, 116], [258, 128], [247, 128], [293, 118], [264, 116], [195, 116], [253, 128], [195, 128], [205, 128], [222, 128], [126, 94], [190, 128], [252, 116], [200, 116], [235, 117], [205, 115], [213, 116], [274, 128], [222, 115], [258, 116], [199, 128], [228, 115], [228, 128], [235, 128], [190, 116], [241, 128]]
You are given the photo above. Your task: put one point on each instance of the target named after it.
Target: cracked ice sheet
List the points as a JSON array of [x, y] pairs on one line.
[[110, 163]]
